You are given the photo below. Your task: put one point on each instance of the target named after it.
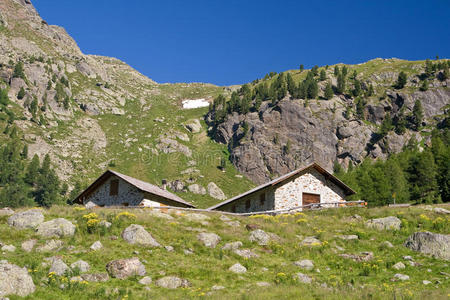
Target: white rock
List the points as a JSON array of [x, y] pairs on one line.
[[81, 265], [9, 248], [96, 246], [399, 266], [401, 277], [145, 280], [305, 264], [238, 268]]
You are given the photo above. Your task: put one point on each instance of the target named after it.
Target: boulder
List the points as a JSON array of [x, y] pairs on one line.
[[28, 246], [81, 265], [348, 237], [145, 280], [384, 223], [238, 268], [437, 245], [26, 219], [177, 186], [194, 126], [302, 278], [105, 224], [399, 266], [6, 211], [232, 245], [310, 241], [157, 213], [215, 192], [58, 267], [209, 239], [197, 189], [363, 256], [9, 248], [305, 264], [441, 210], [96, 277], [401, 277], [195, 217], [245, 253], [136, 234], [172, 282], [387, 244], [96, 246], [124, 268], [15, 280], [56, 228], [51, 245], [260, 237]]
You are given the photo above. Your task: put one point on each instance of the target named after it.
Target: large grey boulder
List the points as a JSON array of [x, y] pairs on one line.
[[9, 248], [28, 246], [26, 219], [172, 282], [232, 245], [124, 268], [260, 237], [15, 280], [209, 239], [6, 212], [136, 234], [56, 228], [197, 189], [302, 278], [385, 223], [194, 126], [238, 268], [215, 192], [305, 264], [81, 265], [58, 267], [51, 245], [434, 244]]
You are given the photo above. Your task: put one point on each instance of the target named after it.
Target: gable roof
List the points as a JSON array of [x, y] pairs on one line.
[[141, 185], [331, 177]]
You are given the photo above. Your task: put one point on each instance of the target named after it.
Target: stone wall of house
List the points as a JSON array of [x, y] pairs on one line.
[[254, 201], [311, 181], [127, 194]]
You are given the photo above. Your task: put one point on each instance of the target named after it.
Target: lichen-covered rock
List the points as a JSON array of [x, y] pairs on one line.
[[305, 264], [434, 244], [238, 268], [51, 245], [232, 245], [136, 234], [215, 192], [15, 280], [28, 246], [401, 277], [260, 237], [194, 126], [81, 265], [145, 280], [124, 268], [6, 211], [387, 223], [399, 266], [302, 278], [310, 241], [172, 282], [209, 239], [56, 228], [197, 189], [9, 248], [96, 277], [26, 219], [96, 246], [245, 253], [58, 267]]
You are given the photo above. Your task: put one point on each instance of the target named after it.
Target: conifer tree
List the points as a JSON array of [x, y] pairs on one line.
[[344, 71], [302, 68], [336, 70], [357, 88], [428, 68], [328, 91], [401, 80], [323, 75], [4, 99], [21, 93], [290, 85], [18, 71], [417, 115], [424, 86], [340, 83], [423, 178]]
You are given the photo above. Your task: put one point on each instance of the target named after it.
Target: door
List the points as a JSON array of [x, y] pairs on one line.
[[310, 199]]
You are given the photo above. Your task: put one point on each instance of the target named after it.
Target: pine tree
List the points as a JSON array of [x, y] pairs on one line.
[[18, 71], [313, 89], [328, 91], [290, 85], [441, 154], [428, 68], [357, 88], [424, 86], [423, 174], [344, 71], [47, 191], [21, 93], [336, 70], [323, 75], [417, 115], [386, 125], [315, 70], [4, 99], [398, 183], [401, 80], [302, 68], [340, 83], [32, 172], [370, 91]]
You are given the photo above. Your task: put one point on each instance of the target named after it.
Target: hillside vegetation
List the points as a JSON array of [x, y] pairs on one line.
[[348, 259]]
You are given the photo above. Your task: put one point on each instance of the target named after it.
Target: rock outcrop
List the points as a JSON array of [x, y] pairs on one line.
[[437, 245], [56, 228], [124, 268], [14, 280], [26, 219], [136, 234]]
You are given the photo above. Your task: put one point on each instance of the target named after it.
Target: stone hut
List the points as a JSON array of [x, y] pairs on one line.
[[115, 189], [308, 185]]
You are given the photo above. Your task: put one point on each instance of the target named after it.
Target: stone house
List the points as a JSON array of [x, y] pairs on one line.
[[311, 184], [115, 189]]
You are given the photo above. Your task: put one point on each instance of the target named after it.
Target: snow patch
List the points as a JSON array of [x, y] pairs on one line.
[[194, 103]]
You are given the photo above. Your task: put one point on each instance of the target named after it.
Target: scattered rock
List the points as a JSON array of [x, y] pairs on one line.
[[195, 217], [58, 267], [217, 287], [224, 218], [215, 192], [159, 214], [105, 224], [28, 246], [96, 246], [238, 268], [348, 237], [56, 228], [260, 237], [124, 268], [387, 223], [145, 280], [263, 284], [15, 280], [136, 234], [408, 257], [50, 246], [208, 239], [232, 245], [387, 244], [177, 185], [363, 256], [188, 251], [401, 277], [26, 219], [398, 266], [426, 282], [194, 126], [172, 282], [168, 248], [197, 189], [245, 253], [437, 245], [441, 210], [6, 211], [310, 241], [9, 248], [305, 264], [90, 205], [81, 265], [300, 277], [96, 277], [233, 223]]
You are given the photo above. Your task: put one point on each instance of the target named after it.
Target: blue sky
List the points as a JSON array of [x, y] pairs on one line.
[[233, 42]]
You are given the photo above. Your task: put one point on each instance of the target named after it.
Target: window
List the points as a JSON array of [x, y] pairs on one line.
[[125, 204], [114, 187], [262, 199]]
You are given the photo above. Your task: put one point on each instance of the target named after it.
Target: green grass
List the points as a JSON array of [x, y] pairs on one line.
[[344, 278]]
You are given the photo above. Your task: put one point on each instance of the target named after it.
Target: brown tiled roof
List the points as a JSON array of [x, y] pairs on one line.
[[141, 185], [337, 181]]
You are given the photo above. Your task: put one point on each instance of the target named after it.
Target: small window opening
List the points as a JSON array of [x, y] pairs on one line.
[[114, 187], [262, 199]]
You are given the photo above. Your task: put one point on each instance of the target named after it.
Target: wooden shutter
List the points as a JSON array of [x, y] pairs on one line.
[[114, 187], [310, 198], [262, 199]]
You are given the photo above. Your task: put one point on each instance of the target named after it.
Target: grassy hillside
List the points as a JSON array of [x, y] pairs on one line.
[[333, 276]]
